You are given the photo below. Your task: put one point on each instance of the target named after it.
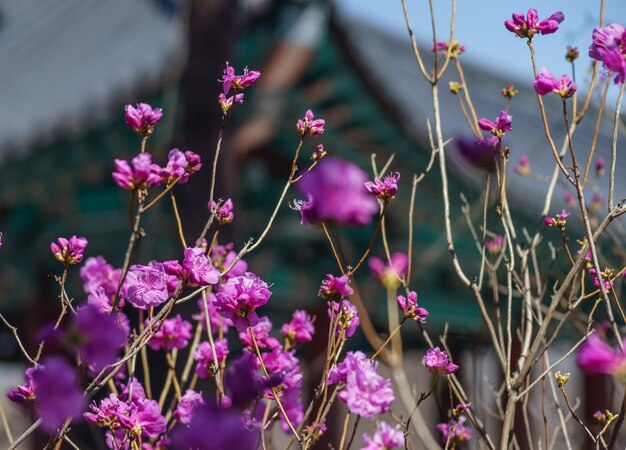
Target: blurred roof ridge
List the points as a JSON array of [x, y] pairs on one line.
[[135, 41]]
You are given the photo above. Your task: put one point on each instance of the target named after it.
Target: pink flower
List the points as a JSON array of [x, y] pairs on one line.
[[335, 288], [605, 276], [523, 166], [24, 394], [198, 269], [597, 357], [455, 48], [284, 365], [501, 125], [348, 317], [142, 118], [142, 175], [495, 245], [205, 361], [437, 362], [559, 221], [546, 83], [239, 297], [224, 213], [69, 251], [179, 166], [385, 437], [309, 125], [527, 27], [609, 46], [146, 286], [227, 103], [261, 334], [409, 307], [385, 189], [174, 333], [97, 273], [366, 393], [300, 329], [238, 82], [187, 404], [96, 336], [454, 432], [389, 274]]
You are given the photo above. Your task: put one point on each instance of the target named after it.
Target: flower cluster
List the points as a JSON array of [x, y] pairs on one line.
[[437, 362], [196, 269], [346, 316], [238, 299], [173, 333], [609, 47], [69, 251], [299, 330], [179, 166], [385, 437], [453, 48], [527, 27], [501, 125], [224, 212], [385, 189], [141, 173], [409, 307], [142, 118], [309, 125], [546, 83], [334, 289], [559, 221]]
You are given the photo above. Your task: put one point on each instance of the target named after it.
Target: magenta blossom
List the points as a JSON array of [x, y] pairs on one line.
[[218, 323], [600, 166], [494, 246], [501, 125], [174, 333], [223, 213], [285, 365], [609, 47], [523, 166], [335, 191], [455, 48], [142, 118], [454, 432], [139, 174], [606, 276], [366, 393], [546, 83], [238, 82], [24, 394], [69, 251], [409, 307], [527, 27], [198, 269], [146, 286], [390, 274], [227, 102], [334, 288], [299, 330], [239, 297], [97, 273], [205, 360], [309, 125], [187, 404], [385, 437], [348, 320], [261, 334], [559, 221], [437, 362], [58, 394], [222, 256], [385, 189], [179, 166]]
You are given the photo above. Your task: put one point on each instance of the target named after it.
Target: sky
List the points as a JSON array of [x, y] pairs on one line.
[[480, 26]]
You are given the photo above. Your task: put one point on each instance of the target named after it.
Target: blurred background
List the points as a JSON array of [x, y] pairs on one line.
[[69, 68]]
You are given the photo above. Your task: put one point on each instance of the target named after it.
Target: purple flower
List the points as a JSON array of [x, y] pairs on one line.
[[205, 361], [348, 319], [385, 437], [142, 175], [58, 395], [559, 221], [186, 406], [227, 103], [334, 288], [198, 269], [97, 273], [454, 432], [366, 393], [69, 251], [143, 420], [385, 189], [480, 153], [261, 334], [409, 307], [96, 336], [600, 165], [300, 329], [523, 166], [501, 125], [222, 256], [146, 286], [310, 125], [238, 82], [389, 274], [179, 166], [437, 362], [243, 382], [24, 394], [527, 27], [106, 414], [455, 48], [495, 245], [336, 192], [174, 333], [142, 118], [239, 297], [605, 276], [546, 83], [217, 321], [609, 46], [224, 213], [285, 365], [226, 431]]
